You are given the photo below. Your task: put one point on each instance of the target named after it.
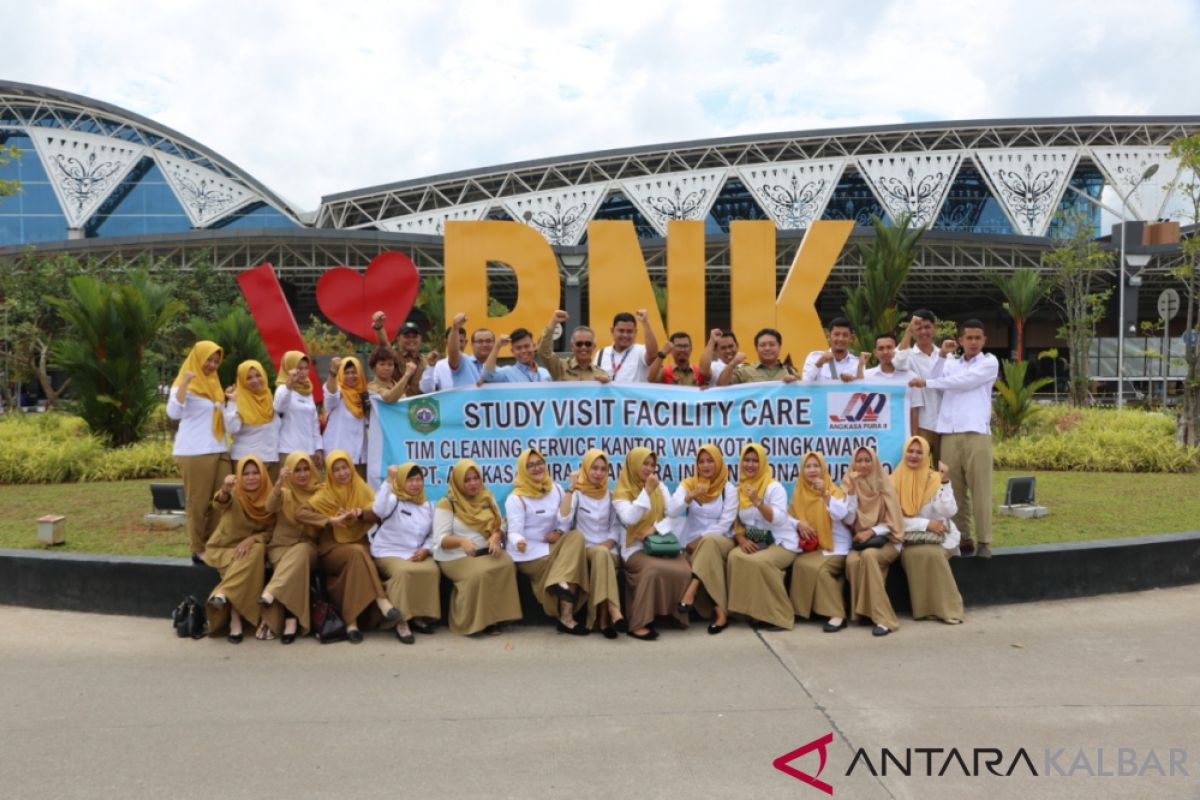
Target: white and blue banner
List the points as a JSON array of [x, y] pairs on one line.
[[494, 423]]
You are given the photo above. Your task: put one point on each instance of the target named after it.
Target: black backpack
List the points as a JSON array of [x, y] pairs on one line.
[[189, 619]]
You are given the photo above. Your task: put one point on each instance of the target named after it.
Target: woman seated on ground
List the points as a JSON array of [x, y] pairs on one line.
[[291, 548], [553, 561], [930, 537], [403, 550], [820, 510], [344, 502], [250, 419], [466, 537], [236, 548], [878, 522], [710, 503], [653, 584], [587, 508], [766, 544]]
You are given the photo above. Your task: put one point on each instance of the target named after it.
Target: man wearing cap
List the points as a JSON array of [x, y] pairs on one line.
[[577, 367], [408, 349]]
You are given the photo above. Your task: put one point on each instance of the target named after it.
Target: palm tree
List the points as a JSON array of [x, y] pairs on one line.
[[237, 333], [871, 306], [1023, 291]]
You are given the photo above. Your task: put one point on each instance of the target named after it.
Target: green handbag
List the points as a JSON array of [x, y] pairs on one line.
[[760, 537], [661, 545]]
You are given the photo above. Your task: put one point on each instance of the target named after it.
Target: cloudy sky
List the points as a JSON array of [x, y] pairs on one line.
[[318, 98]]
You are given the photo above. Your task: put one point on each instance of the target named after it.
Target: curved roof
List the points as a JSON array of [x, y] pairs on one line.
[[35, 107]]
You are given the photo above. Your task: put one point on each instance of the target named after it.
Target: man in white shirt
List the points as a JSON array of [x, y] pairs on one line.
[[916, 354], [888, 372], [965, 422], [626, 360], [458, 369], [721, 349], [837, 363]]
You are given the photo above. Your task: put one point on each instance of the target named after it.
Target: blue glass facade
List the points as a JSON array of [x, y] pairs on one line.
[[1090, 181], [734, 202], [852, 199], [255, 215], [32, 214], [970, 206], [618, 206], [143, 203]]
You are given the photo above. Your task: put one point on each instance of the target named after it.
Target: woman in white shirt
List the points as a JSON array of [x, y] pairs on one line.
[[587, 507], [346, 412], [466, 538], [553, 561], [820, 511], [403, 550], [201, 451], [300, 428], [930, 536], [710, 503], [250, 419], [877, 515], [652, 583], [766, 544]]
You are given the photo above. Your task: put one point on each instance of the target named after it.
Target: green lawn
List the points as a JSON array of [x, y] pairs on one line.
[[107, 517]]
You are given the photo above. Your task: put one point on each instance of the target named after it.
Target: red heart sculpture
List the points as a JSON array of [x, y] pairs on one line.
[[349, 298]]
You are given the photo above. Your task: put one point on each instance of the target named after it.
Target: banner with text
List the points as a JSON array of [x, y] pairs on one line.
[[494, 423]]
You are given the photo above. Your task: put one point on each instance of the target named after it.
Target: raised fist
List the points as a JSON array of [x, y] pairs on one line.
[[560, 317], [459, 319]]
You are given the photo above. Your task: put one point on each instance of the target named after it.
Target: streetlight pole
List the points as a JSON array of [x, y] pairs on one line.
[[1147, 175]]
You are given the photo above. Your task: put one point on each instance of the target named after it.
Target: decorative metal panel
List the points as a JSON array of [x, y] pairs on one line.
[[793, 193], [561, 215], [1028, 182], [83, 168], [913, 184], [1124, 168], [434, 223], [675, 195], [206, 196]]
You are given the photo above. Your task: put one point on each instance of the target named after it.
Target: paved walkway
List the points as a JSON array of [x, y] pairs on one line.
[[98, 706]]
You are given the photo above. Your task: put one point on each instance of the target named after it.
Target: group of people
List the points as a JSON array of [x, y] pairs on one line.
[[252, 463]]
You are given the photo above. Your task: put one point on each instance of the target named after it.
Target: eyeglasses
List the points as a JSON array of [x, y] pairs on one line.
[[534, 464], [583, 344]]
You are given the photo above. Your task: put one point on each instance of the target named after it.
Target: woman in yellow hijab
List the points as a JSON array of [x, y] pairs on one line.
[[766, 544], [344, 504], [346, 407], [930, 537], [201, 447], [236, 548], [292, 548], [467, 546], [820, 511], [877, 519], [300, 427], [710, 503], [403, 550], [651, 582], [587, 507], [250, 417]]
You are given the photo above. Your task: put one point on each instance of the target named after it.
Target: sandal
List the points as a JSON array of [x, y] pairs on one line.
[[264, 633]]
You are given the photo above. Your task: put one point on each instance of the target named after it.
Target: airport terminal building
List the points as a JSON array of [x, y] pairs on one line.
[[101, 182]]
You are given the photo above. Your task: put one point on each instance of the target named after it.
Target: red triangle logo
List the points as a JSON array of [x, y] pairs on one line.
[[820, 746]]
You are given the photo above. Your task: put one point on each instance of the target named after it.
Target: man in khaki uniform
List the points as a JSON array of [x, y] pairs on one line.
[[578, 366]]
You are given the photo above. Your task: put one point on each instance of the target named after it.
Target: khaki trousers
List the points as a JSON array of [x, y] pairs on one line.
[[969, 457], [935, 443], [202, 476], [868, 571]]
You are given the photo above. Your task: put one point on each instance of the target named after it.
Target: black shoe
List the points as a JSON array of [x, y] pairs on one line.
[[578, 630], [685, 608], [492, 630], [609, 633], [422, 627], [406, 638], [287, 638], [966, 547], [828, 628], [235, 638], [621, 625], [714, 628], [565, 595], [392, 615], [880, 631], [264, 602], [355, 636], [645, 637]]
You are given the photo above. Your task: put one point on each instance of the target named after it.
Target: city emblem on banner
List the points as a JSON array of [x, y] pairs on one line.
[[424, 415]]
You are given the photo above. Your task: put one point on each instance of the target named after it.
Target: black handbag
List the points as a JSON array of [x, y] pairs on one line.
[[327, 624], [762, 538], [878, 540], [189, 619]]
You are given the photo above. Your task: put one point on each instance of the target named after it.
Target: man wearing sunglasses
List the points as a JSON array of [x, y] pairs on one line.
[[576, 367]]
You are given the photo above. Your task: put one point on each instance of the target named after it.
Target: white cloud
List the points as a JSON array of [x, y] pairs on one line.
[[314, 99]]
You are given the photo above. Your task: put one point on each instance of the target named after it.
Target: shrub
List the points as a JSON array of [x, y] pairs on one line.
[[1013, 407], [57, 448]]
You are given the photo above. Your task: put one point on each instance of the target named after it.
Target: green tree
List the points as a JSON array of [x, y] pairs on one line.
[[1023, 291], [1013, 406], [238, 335], [431, 303], [1078, 267], [8, 187], [112, 324], [872, 306], [1187, 150]]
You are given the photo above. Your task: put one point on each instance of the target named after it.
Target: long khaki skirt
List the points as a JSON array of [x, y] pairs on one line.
[[414, 587], [818, 585], [241, 584], [602, 581], [653, 587], [485, 592], [351, 580], [566, 563], [868, 571], [756, 585], [202, 475], [931, 584], [708, 565], [293, 565]]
